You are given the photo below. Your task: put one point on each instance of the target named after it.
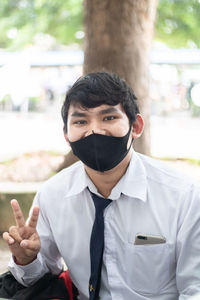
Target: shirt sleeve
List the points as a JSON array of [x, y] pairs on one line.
[[48, 259], [188, 245]]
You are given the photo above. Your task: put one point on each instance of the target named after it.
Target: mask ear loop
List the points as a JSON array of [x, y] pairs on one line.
[[128, 139]]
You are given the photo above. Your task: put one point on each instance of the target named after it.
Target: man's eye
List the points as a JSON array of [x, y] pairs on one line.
[[80, 122], [109, 118]]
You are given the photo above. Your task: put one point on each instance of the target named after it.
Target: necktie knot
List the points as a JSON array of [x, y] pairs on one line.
[[100, 203]]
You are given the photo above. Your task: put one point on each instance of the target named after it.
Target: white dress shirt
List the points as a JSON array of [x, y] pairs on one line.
[[149, 199]]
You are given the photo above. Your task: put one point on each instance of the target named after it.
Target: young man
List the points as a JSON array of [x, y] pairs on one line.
[[151, 225]]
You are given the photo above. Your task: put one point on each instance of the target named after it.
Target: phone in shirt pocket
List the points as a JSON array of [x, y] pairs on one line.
[[149, 239], [149, 267]]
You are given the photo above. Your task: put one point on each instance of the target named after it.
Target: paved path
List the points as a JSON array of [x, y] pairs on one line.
[[176, 136], [22, 133]]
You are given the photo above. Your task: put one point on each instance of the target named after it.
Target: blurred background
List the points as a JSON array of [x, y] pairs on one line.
[[43, 46]]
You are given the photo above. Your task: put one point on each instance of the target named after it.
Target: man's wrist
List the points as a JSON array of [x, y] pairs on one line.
[[23, 262]]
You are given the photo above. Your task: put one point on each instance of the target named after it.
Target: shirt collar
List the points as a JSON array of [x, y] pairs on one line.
[[132, 184], [79, 179]]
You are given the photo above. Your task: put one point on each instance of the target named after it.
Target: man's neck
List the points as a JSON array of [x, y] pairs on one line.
[[106, 181]]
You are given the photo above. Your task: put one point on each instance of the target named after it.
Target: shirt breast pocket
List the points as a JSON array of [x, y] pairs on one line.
[[149, 267]]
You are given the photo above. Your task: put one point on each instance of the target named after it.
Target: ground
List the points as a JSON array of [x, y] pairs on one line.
[[30, 167]]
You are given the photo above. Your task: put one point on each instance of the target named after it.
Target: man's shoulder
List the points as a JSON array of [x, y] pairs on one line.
[[64, 179], [162, 173]]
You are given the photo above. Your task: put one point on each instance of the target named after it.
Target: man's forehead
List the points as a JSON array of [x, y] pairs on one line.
[[104, 108]]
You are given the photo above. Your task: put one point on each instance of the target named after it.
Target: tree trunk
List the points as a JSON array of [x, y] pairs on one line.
[[118, 35]]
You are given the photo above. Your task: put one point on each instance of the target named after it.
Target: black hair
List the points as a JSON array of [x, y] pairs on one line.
[[95, 89]]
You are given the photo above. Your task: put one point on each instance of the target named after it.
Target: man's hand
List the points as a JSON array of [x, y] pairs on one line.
[[23, 239]]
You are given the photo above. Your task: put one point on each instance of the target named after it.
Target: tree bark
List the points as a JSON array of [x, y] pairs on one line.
[[69, 159], [118, 35]]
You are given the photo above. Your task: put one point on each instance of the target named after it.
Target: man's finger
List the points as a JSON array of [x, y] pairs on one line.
[[14, 233], [8, 239], [19, 218], [31, 245], [34, 217]]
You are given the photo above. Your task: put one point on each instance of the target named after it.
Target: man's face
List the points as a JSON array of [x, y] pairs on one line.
[[104, 119]]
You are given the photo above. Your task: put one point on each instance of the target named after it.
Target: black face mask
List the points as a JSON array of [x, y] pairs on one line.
[[101, 152]]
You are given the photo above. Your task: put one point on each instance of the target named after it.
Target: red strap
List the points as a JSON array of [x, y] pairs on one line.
[[68, 283]]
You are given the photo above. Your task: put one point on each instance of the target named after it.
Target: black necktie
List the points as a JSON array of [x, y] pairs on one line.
[[97, 245]]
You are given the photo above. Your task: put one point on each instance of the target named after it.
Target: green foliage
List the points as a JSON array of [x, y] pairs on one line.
[[194, 161], [178, 23], [21, 20]]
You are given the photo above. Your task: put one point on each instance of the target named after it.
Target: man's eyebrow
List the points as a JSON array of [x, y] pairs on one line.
[[101, 112], [108, 111], [78, 114]]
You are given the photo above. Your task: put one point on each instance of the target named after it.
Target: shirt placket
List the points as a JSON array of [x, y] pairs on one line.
[[110, 261]]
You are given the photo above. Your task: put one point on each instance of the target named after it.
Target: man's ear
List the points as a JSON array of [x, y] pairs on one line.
[[66, 138], [137, 127]]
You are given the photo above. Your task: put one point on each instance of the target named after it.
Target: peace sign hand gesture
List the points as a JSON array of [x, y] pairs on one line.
[[23, 239]]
